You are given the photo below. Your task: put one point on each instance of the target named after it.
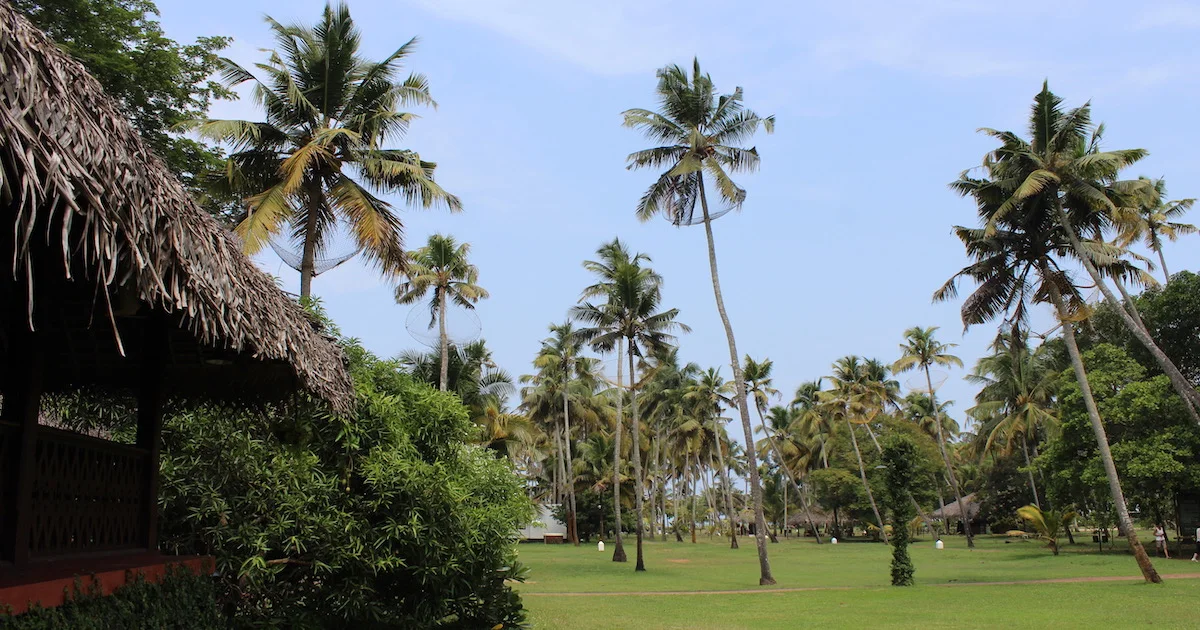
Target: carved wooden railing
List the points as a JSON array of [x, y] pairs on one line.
[[88, 495]]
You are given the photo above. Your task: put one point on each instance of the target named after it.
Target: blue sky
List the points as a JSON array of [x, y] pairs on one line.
[[847, 228]]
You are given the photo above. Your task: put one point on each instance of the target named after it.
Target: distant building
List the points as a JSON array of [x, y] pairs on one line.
[[543, 523]]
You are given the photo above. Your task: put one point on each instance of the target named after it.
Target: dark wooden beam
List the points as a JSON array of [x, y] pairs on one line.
[[22, 402], [150, 409]]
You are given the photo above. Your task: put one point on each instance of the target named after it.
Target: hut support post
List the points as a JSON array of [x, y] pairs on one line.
[[22, 402], [149, 420]]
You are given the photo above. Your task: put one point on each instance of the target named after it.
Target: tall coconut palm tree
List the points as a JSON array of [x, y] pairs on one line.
[[852, 400], [698, 132], [707, 396], [329, 111], [1016, 399], [921, 350], [1154, 219], [440, 268], [615, 264], [1016, 262], [560, 362], [631, 314], [1063, 170]]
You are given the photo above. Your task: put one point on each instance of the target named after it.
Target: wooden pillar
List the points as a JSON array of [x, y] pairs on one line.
[[22, 402], [149, 420]]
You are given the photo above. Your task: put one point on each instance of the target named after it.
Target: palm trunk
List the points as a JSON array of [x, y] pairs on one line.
[[572, 525], [635, 447], [618, 549], [708, 497], [862, 470], [1163, 261], [937, 422], [727, 489], [679, 501], [1029, 470], [1191, 397], [1110, 468], [692, 475], [942, 504], [309, 252], [444, 379], [764, 564], [791, 477]]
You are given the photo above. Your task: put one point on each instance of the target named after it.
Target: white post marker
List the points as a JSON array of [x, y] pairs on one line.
[[939, 544], [833, 541], [600, 546]]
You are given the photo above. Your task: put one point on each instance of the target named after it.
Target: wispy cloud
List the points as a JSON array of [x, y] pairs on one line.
[[1174, 15]]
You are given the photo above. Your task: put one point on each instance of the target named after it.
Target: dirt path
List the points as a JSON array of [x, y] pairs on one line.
[[1107, 578]]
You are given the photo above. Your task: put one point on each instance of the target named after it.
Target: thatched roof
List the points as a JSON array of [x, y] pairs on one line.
[[95, 213], [952, 511]]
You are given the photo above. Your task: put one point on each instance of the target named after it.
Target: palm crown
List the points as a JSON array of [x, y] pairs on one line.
[[328, 113]]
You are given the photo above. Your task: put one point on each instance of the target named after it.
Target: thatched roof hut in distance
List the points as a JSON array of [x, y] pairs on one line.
[[112, 277], [951, 510]]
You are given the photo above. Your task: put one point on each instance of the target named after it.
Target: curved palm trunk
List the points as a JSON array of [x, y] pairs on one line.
[[760, 538], [618, 549], [635, 447], [680, 485], [572, 525], [727, 490], [1191, 397], [791, 477], [862, 471], [937, 422], [1029, 470], [309, 253], [1166, 274], [1110, 468]]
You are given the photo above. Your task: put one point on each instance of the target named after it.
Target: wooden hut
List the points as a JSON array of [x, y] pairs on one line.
[[952, 513], [112, 278]]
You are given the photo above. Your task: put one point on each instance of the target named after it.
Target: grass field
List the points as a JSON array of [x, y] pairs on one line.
[[572, 587]]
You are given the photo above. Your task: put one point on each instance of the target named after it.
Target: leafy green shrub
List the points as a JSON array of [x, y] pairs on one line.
[[180, 601], [386, 519], [899, 453]]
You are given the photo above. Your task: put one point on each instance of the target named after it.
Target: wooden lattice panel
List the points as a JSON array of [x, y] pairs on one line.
[[87, 495]]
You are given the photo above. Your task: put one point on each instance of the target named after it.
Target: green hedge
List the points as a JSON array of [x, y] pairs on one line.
[[181, 601]]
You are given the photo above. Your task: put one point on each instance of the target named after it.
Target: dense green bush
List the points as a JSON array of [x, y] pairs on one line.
[[386, 519], [180, 601], [899, 455]]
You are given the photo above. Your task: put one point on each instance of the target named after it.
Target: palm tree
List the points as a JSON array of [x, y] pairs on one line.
[[560, 362], [1155, 219], [631, 314], [699, 132], [707, 396], [851, 399], [1016, 264], [1063, 171], [615, 265], [441, 265], [472, 375], [921, 350], [328, 110], [1047, 523], [1016, 398]]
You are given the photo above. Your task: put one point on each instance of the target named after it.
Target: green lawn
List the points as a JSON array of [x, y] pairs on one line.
[[856, 578]]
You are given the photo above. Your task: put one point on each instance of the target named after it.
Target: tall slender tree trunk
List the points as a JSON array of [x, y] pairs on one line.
[[659, 461], [942, 504], [572, 525], [1163, 261], [679, 487], [635, 447], [1191, 397], [1110, 468], [619, 548], [308, 253], [760, 538], [791, 477], [727, 490], [444, 379], [937, 422], [692, 474], [1029, 470], [862, 470]]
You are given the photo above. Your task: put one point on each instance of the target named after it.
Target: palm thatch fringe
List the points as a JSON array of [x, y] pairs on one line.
[[71, 160]]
